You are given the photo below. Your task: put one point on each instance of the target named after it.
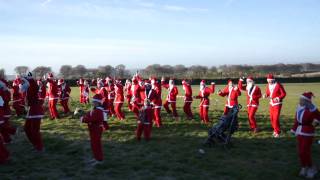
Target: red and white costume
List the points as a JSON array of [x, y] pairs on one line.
[[6, 130], [64, 95], [204, 94], [127, 89], [232, 93], [136, 98], [52, 94], [111, 95], [95, 119], [145, 123], [42, 92], [253, 95], [276, 93], [187, 99], [119, 100], [84, 91], [171, 97], [17, 97], [156, 101], [304, 129], [34, 114]]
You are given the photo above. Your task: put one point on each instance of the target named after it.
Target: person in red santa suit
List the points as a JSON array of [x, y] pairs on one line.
[[119, 99], [41, 92], [64, 95], [145, 121], [111, 95], [17, 97], [6, 130], [95, 119], [306, 118], [232, 93], [127, 89], [253, 95], [204, 94], [156, 100], [52, 94], [101, 90], [35, 112], [136, 98], [84, 91], [4, 153], [171, 97], [276, 93], [187, 99]]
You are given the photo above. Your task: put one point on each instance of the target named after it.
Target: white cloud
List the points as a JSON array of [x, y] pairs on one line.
[[46, 2], [183, 9]]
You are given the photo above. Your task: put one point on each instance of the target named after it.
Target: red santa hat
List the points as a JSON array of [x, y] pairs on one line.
[[171, 81], [230, 81], [249, 78], [270, 76], [153, 80], [307, 96], [183, 82], [97, 98], [61, 81]]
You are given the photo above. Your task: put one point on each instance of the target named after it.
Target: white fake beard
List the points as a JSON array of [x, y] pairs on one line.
[[249, 86], [202, 88]]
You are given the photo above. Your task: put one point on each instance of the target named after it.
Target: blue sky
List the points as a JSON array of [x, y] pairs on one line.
[[142, 32]]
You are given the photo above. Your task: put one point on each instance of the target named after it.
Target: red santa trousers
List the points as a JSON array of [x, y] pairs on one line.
[[18, 107], [65, 106], [145, 129], [32, 130], [157, 116], [252, 117], [304, 150], [118, 111], [6, 130], [187, 109], [53, 108], [173, 107], [203, 111], [275, 118], [129, 102], [96, 145]]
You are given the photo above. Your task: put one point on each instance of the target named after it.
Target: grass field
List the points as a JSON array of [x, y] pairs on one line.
[[171, 154]]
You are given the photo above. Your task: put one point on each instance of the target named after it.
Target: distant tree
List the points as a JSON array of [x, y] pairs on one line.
[[104, 71], [21, 70], [120, 71], [2, 74], [40, 71], [66, 71], [79, 71]]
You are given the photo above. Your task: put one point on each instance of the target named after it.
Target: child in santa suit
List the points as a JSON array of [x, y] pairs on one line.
[[156, 101], [276, 93], [204, 94], [95, 119], [145, 121], [64, 93], [171, 97], [127, 89], [232, 93], [84, 91], [187, 99], [4, 153], [253, 96], [306, 118], [136, 98]]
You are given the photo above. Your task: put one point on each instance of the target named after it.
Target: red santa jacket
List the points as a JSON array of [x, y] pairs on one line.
[[104, 93], [155, 96], [204, 95], [127, 89], [135, 90], [232, 94], [111, 92], [172, 92], [35, 110], [276, 93], [187, 92], [253, 94], [42, 92], [64, 91], [304, 118], [1, 107], [52, 91], [16, 95], [95, 119], [119, 97]]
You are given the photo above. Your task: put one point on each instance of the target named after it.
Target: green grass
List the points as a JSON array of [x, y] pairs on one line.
[[171, 154]]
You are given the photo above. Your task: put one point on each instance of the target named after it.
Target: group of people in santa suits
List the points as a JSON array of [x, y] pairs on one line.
[[28, 98]]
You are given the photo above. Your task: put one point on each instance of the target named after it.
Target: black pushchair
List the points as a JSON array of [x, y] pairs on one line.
[[223, 130]]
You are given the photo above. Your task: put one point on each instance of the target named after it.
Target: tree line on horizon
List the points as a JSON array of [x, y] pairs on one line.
[[177, 71]]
